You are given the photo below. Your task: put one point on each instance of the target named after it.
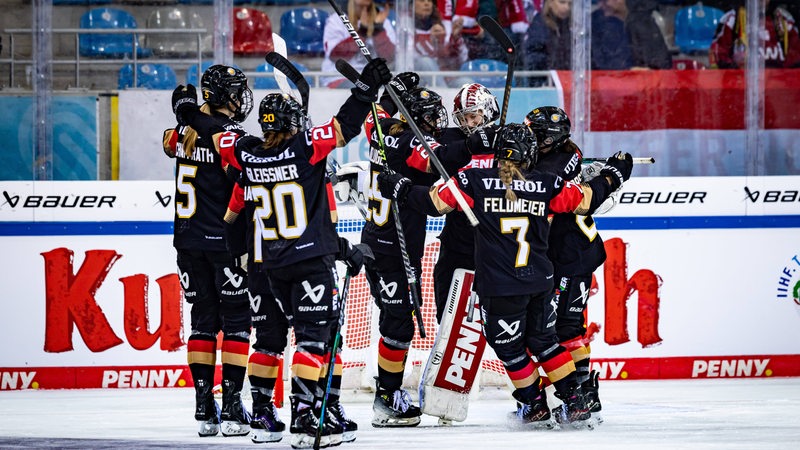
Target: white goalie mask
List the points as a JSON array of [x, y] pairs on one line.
[[474, 98]]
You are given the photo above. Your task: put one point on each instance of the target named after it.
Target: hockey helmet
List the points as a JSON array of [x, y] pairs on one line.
[[280, 112], [225, 86], [474, 98], [516, 143], [425, 108], [550, 125]]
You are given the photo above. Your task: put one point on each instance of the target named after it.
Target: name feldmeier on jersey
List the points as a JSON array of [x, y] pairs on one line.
[[202, 190], [286, 184], [511, 240]]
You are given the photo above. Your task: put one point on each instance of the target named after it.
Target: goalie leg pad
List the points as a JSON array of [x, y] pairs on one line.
[[455, 359]]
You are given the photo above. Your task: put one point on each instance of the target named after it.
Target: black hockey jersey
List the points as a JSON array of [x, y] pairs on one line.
[[202, 187], [511, 238], [574, 246]]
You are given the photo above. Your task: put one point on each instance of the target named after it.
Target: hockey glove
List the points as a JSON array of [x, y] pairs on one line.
[[481, 142], [375, 74], [394, 186], [183, 99], [351, 255], [618, 169], [402, 82]]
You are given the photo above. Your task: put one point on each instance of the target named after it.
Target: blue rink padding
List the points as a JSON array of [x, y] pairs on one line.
[[434, 225]]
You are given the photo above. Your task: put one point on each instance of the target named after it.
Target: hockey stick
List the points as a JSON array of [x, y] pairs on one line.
[[283, 69], [496, 31], [462, 202], [351, 74], [645, 160]]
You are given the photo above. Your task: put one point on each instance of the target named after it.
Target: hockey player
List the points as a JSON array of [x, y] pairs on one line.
[[212, 279], [386, 275], [574, 246], [294, 237], [475, 109], [513, 275]]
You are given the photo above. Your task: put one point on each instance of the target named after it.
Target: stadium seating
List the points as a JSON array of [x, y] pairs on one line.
[[487, 65], [252, 32], [695, 26], [108, 45], [81, 2], [149, 76], [302, 29], [269, 82], [175, 44]]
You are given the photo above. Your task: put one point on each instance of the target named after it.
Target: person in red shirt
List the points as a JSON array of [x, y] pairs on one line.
[[780, 41]]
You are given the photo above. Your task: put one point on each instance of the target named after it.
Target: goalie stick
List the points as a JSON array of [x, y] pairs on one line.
[[449, 183], [351, 74], [496, 32]]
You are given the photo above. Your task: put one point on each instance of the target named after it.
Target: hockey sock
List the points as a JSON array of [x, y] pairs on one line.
[[306, 372], [580, 355], [336, 380], [263, 369], [202, 357], [391, 363], [234, 359], [523, 373], [557, 364]]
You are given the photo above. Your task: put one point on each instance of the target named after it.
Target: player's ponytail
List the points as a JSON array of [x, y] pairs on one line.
[[508, 171]]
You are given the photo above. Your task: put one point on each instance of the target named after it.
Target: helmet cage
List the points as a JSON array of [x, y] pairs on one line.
[[425, 107], [474, 98]]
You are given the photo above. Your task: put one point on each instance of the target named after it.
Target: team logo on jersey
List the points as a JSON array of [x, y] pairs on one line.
[[184, 277], [255, 302], [233, 278], [388, 289], [315, 293], [511, 328]]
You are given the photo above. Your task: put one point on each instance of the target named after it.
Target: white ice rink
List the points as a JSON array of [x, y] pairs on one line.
[[698, 414]]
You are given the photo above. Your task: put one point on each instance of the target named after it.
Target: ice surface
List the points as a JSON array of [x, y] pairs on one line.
[[698, 414]]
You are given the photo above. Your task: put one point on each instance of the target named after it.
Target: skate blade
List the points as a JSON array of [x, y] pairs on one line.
[[231, 428], [207, 429], [586, 424], [307, 441], [445, 422], [261, 436], [386, 422], [348, 436]]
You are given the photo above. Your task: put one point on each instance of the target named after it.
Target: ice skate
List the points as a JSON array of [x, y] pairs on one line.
[[533, 412], [573, 413], [206, 409], [235, 418], [591, 396], [304, 426], [349, 428], [265, 426], [394, 409]]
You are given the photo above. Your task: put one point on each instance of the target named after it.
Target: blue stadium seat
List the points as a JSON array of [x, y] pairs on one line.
[[191, 74], [695, 27], [487, 65], [302, 29], [108, 45], [149, 76], [269, 82]]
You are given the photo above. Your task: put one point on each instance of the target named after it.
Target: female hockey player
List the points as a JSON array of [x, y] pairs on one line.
[[513, 276], [212, 279], [294, 236], [386, 275], [574, 246]]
